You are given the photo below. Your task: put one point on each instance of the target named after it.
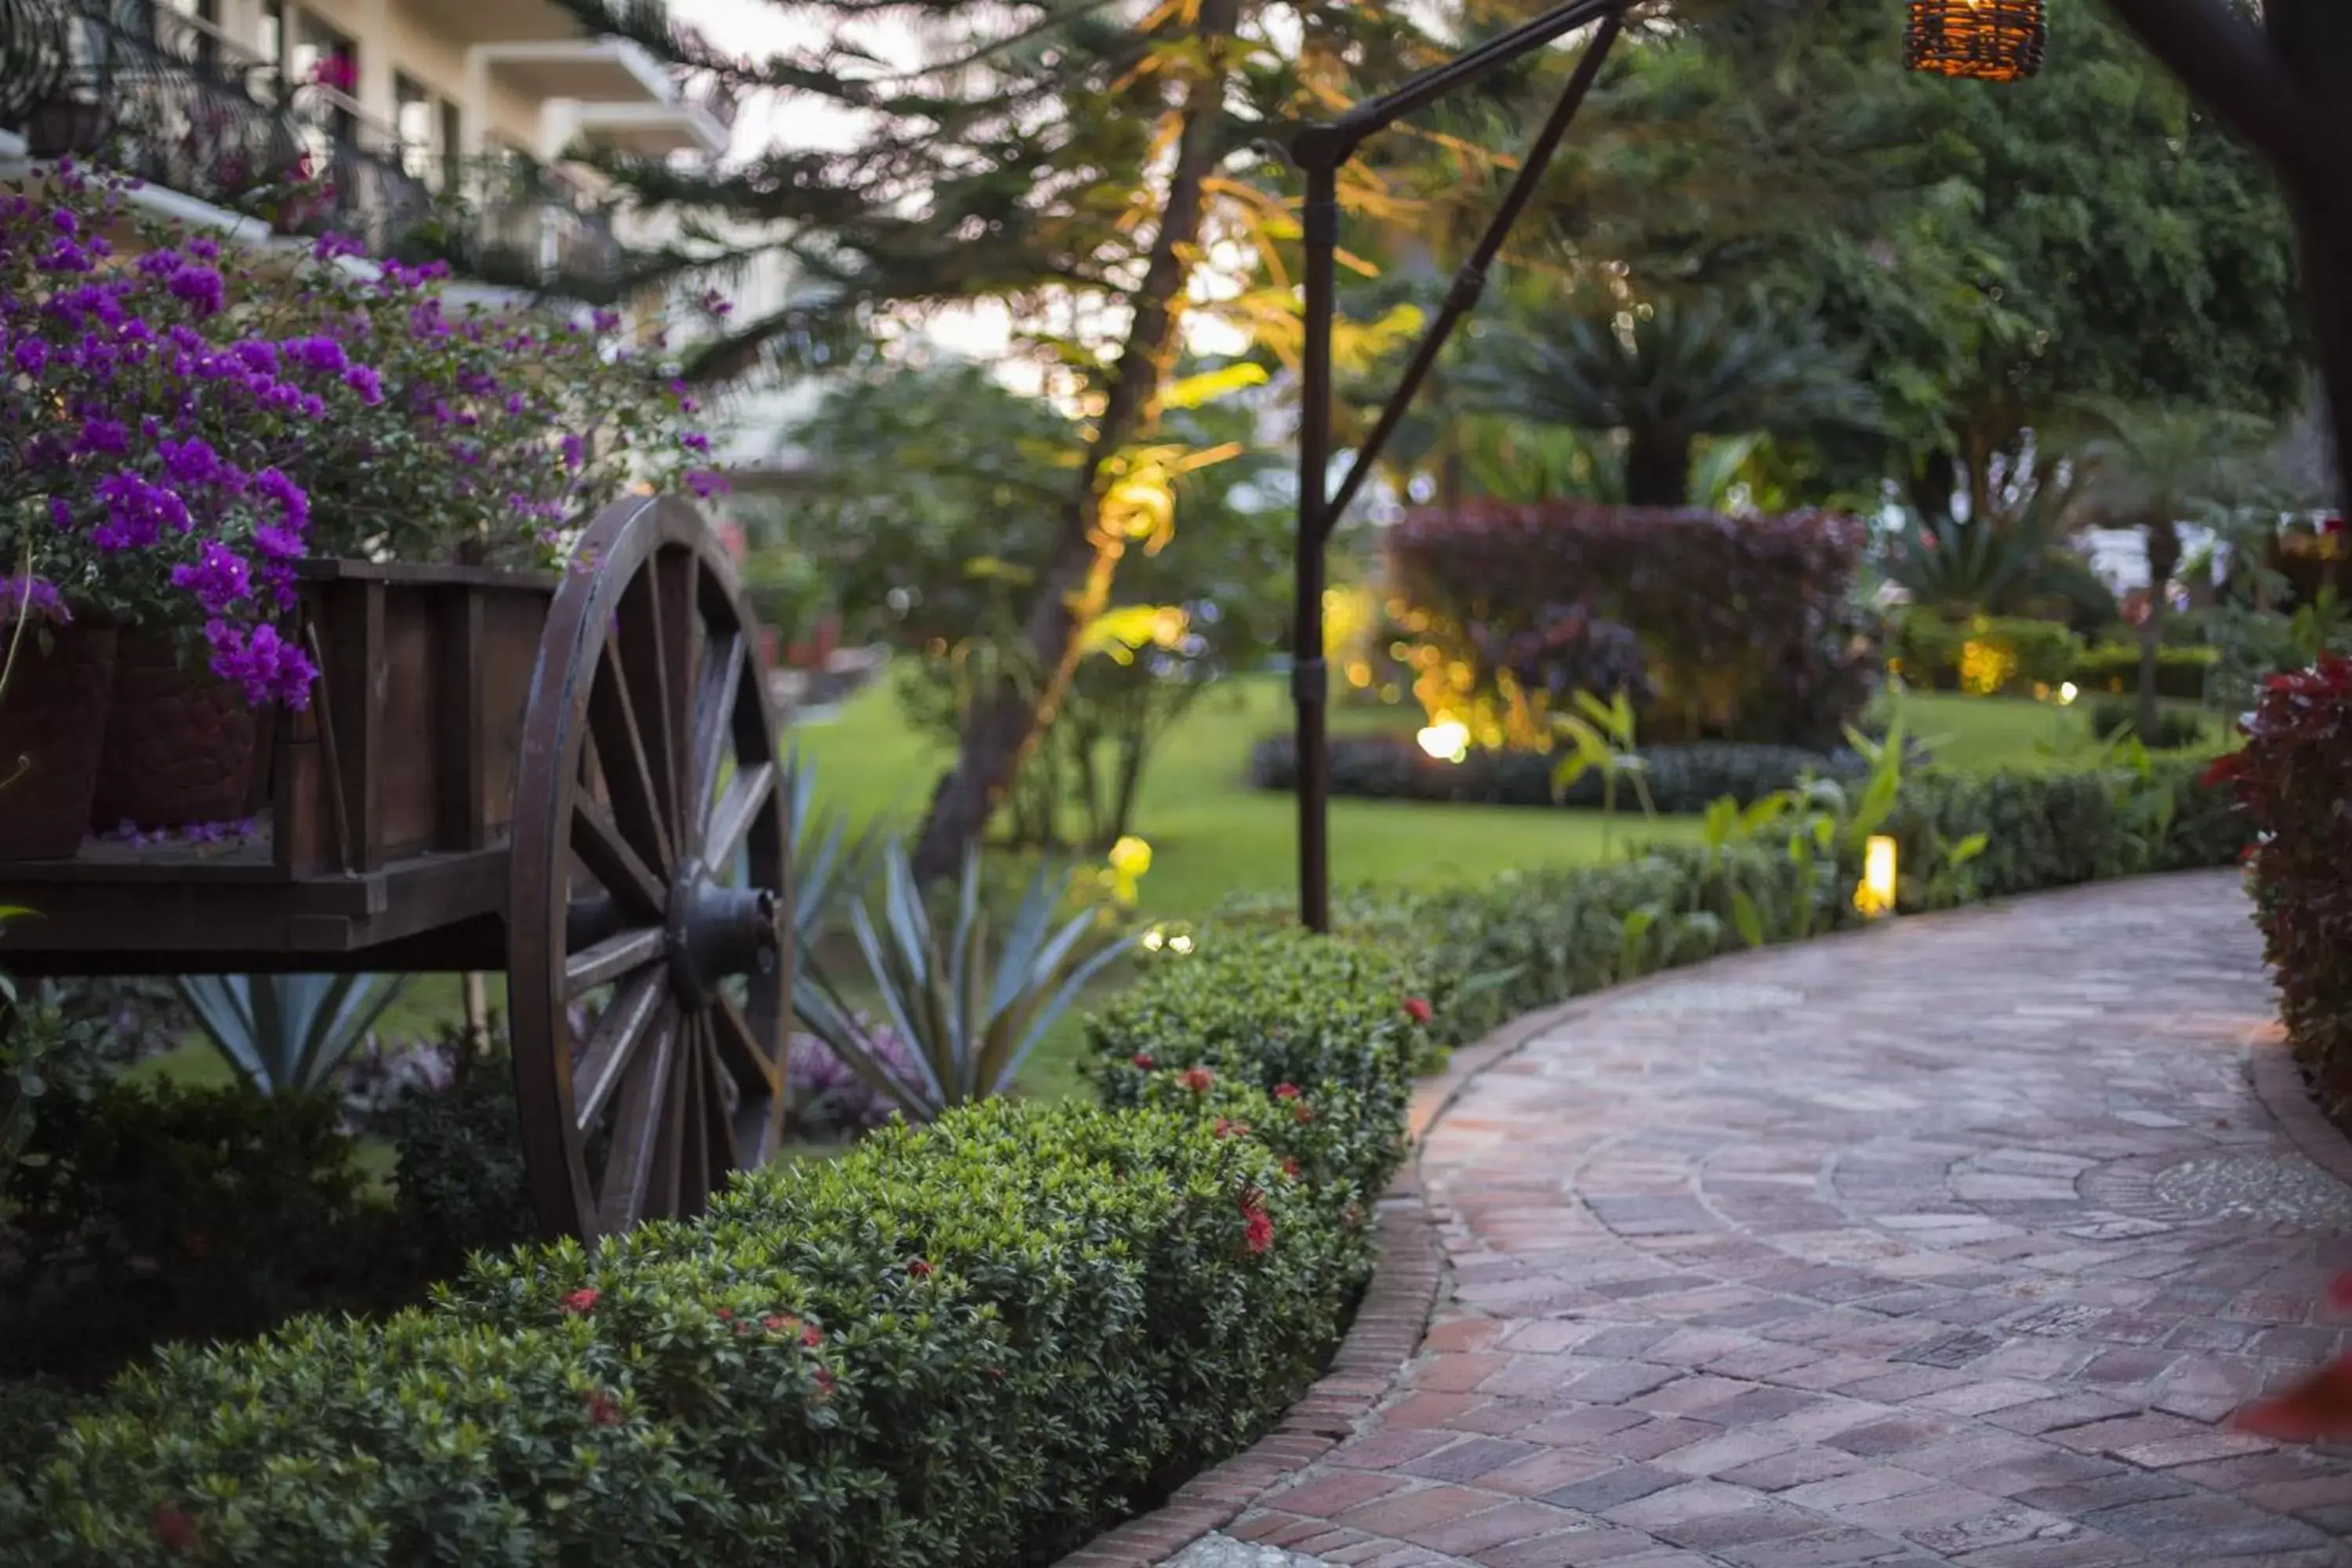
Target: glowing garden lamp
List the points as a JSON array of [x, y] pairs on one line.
[[1979, 40], [1875, 895], [1448, 740]]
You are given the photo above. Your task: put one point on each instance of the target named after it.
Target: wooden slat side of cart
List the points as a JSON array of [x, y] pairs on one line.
[[572, 777]]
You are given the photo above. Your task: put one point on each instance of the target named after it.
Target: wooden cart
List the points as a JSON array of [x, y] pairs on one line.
[[571, 778]]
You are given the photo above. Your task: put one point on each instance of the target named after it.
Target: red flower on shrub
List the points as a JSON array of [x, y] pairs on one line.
[[1143, 1060], [579, 1303], [1198, 1080], [604, 1409], [2223, 771], [785, 1323], [920, 1268], [823, 1384], [1290, 1169], [1228, 1128], [175, 1529], [726, 1314], [1302, 1112], [1286, 1091], [1258, 1225], [1418, 1009]]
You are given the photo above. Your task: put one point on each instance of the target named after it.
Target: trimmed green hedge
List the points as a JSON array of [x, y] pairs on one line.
[[1533, 939], [1680, 779], [1931, 649], [968, 1344], [2114, 667]]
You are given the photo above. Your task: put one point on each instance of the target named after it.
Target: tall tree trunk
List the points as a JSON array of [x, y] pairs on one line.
[[2163, 560], [1004, 723], [1657, 468]]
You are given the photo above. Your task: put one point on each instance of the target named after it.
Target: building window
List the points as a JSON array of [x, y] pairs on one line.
[[412, 119], [453, 149], [272, 43]]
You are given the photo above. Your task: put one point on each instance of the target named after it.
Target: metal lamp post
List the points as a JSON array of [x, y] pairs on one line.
[[1319, 149]]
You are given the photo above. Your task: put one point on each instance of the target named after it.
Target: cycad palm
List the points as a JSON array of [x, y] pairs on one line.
[[1684, 372]]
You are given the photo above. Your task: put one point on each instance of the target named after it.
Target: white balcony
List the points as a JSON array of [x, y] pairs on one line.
[[592, 70], [681, 125]]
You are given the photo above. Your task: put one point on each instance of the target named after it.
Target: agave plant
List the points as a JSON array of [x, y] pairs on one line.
[[970, 1022], [288, 1034], [827, 857]]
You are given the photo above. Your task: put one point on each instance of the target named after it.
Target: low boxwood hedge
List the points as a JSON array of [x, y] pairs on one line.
[[968, 1344], [1680, 779], [1534, 938]]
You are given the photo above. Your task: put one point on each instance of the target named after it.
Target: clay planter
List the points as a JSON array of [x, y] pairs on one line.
[[53, 727], [179, 743]]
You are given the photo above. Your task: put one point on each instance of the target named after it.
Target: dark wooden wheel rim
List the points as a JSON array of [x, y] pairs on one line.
[[649, 865]]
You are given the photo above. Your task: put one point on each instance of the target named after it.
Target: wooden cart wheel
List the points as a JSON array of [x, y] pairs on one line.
[[647, 923]]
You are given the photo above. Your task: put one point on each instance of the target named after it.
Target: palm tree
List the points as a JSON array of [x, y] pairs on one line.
[[2154, 467], [1665, 379]]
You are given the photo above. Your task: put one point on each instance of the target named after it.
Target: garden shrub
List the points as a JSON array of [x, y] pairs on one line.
[[462, 1186], [1730, 629], [1680, 779], [146, 1211], [2114, 667], [1984, 655], [2293, 779], [2175, 731], [967, 1344]]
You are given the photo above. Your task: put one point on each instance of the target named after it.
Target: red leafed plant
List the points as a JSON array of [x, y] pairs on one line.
[[2295, 779]]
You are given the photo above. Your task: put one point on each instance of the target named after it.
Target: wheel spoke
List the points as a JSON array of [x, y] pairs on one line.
[[611, 959], [748, 795], [637, 806], [662, 1192], [677, 586], [613, 1044], [754, 1066], [717, 1139], [714, 717], [646, 652], [645, 1097], [596, 838]]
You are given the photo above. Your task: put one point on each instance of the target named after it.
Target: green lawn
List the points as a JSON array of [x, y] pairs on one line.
[[1210, 834]]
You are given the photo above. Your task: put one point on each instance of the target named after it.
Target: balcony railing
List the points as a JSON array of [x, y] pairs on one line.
[[168, 98]]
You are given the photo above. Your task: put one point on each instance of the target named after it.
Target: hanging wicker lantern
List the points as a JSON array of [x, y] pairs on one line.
[[1988, 40]]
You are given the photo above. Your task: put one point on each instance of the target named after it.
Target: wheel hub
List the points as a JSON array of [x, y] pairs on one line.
[[715, 930]]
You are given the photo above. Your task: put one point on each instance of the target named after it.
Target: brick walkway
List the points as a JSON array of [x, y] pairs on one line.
[[1948, 1243]]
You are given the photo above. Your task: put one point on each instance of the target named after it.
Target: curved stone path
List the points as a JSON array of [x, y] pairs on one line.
[[1951, 1242]]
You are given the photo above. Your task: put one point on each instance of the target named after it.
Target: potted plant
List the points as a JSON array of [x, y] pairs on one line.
[[189, 432]]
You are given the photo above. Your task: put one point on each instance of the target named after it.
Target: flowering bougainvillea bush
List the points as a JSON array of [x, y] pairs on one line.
[[180, 422], [961, 1346]]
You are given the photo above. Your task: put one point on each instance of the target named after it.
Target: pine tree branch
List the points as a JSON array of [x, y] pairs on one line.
[[2223, 58]]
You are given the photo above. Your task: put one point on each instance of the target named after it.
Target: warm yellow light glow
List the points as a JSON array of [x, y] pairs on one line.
[[2067, 692], [1130, 857], [1448, 740], [1875, 895]]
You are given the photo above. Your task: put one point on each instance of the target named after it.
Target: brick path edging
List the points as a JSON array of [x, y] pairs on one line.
[[2279, 1083], [1388, 1325]]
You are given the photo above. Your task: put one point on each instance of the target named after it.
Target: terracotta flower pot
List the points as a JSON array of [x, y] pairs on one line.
[[179, 743], [52, 729]]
